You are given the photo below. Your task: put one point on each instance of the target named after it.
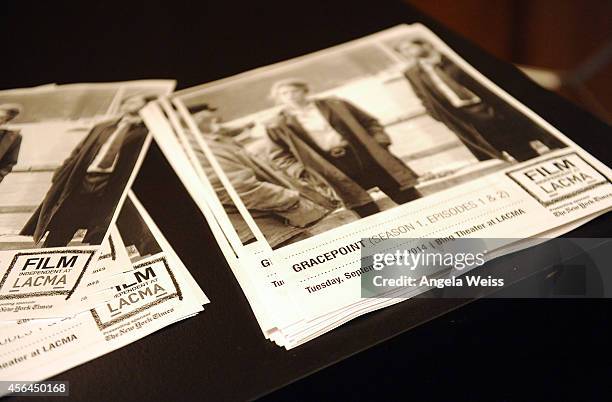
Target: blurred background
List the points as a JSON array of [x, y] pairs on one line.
[[564, 45]]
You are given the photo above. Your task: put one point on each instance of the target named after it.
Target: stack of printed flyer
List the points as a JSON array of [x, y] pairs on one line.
[[317, 173], [83, 268], [318, 176]]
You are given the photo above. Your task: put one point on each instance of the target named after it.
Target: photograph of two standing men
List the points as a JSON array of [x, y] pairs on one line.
[[67, 153], [313, 144]]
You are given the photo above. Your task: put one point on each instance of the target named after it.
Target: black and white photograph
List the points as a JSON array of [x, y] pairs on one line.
[[67, 153], [306, 201], [326, 139]]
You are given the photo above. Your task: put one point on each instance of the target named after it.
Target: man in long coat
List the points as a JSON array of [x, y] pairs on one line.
[[86, 188], [335, 140], [487, 125]]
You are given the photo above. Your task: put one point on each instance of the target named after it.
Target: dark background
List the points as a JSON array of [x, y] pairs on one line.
[[498, 350], [560, 36]]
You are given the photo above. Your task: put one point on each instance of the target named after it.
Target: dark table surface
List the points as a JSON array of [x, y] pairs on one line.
[[489, 349]]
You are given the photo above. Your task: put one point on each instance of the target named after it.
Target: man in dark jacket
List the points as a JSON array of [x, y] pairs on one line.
[[85, 190], [340, 143], [10, 140], [281, 207], [487, 125]]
